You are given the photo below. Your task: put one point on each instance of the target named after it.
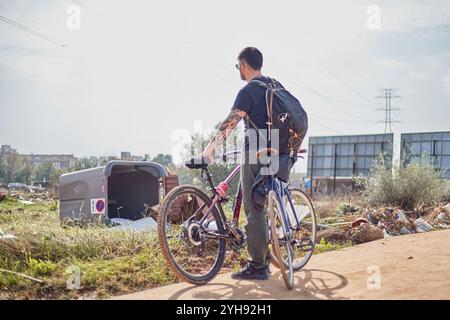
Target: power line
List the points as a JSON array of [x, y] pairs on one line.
[[349, 87], [325, 126], [388, 96], [330, 102], [33, 32]]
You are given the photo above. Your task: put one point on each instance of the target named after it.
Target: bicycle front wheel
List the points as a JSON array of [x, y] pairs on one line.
[[189, 236], [303, 221], [283, 252]]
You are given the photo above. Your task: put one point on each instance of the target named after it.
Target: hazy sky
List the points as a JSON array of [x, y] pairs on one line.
[[140, 73]]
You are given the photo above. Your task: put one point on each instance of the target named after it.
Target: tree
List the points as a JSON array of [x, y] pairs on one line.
[[219, 169], [164, 159], [86, 163], [45, 172], [14, 168], [24, 174]]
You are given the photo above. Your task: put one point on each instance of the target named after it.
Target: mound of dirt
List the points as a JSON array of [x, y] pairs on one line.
[[332, 235]]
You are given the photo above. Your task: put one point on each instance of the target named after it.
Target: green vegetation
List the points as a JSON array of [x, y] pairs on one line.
[[109, 262], [14, 168], [406, 186], [345, 208], [323, 246]]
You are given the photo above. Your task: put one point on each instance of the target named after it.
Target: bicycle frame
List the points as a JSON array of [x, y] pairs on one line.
[[216, 201], [280, 188]]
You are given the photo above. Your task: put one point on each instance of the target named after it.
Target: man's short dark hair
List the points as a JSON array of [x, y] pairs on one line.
[[252, 56]]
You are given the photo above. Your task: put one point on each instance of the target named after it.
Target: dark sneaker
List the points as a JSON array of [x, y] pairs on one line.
[[250, 273]]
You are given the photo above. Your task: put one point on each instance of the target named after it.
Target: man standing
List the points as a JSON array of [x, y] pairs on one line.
[[250, 104]]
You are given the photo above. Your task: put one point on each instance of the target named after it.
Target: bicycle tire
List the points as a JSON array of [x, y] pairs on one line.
[[301, 264], [182, 274], [287, 278]]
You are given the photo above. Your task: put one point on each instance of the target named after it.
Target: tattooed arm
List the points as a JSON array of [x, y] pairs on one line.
[[223, 132]]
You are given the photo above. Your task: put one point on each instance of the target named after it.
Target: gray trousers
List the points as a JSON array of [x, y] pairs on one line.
[[256, 228]]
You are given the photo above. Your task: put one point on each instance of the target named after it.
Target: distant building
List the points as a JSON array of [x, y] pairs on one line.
[[124, 155], [59, 161], [6, 150]]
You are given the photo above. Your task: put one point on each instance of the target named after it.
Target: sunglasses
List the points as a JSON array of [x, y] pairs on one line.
[[238, 66]]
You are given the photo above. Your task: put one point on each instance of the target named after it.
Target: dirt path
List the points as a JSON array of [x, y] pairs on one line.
[[411, 267]]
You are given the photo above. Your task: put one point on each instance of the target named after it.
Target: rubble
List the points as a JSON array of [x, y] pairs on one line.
[[447, 208], [440, 217], [144, 224], [443, 217], [393, 221], [358, 222], [371, 218], [332, 235], [385, 222], [26, 201], [422, 225], [404, 230], [401, 216], [366, 232], [29, 197]]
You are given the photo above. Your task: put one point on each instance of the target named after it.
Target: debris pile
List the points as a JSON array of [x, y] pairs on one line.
[[393, 221], [440, 217], [26, 197], [384, 222]]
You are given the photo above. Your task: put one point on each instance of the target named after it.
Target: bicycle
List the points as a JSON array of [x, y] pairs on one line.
[[193, 228]]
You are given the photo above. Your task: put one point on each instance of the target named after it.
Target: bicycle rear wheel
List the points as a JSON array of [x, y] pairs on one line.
[[283, 254], [188, 244]]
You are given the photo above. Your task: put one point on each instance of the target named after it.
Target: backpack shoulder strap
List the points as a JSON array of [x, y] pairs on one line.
[[272, 84], [259, 83]]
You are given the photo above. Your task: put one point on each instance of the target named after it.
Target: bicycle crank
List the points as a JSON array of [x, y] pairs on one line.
[[306, 244], [240, 241]]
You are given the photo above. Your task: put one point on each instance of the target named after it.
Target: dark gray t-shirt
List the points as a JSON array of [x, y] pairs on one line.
[[252, 100]]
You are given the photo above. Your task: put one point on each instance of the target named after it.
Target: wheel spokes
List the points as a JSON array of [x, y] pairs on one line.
[[190, 249]]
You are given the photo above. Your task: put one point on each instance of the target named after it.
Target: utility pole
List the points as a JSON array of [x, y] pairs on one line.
[[388, 95]]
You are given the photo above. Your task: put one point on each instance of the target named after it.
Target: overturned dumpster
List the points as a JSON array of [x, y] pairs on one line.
[[120, 189]]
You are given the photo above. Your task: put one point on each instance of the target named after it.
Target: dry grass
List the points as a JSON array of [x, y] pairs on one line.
[[336, 205], [110, 262]]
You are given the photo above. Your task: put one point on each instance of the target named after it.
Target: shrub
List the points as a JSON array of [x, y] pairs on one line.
[[345, 208], [405, 185], [446, 191]]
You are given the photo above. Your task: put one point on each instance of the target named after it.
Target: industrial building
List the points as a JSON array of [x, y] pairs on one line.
[[434, 145], [334, 162]]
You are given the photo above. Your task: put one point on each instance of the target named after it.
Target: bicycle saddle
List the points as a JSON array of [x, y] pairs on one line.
[[197, 163]]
